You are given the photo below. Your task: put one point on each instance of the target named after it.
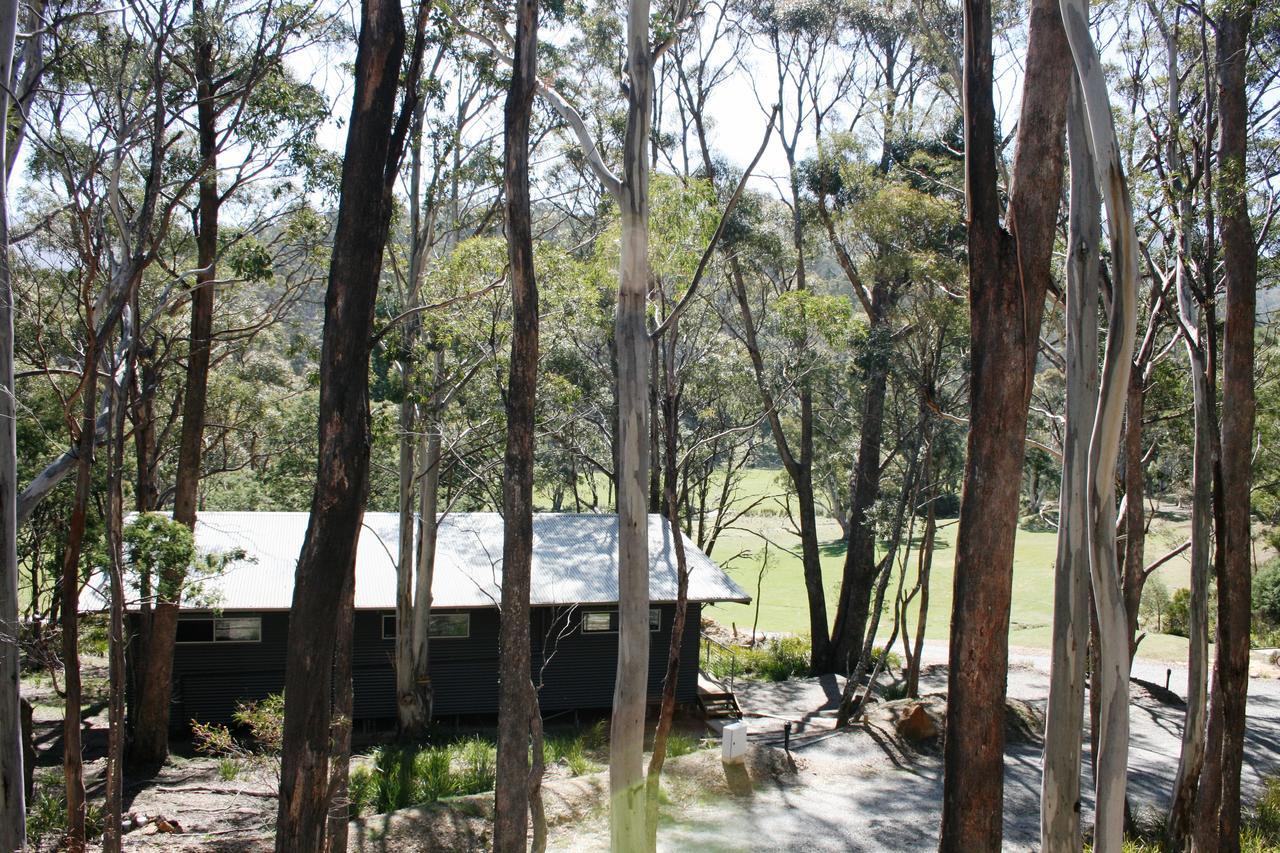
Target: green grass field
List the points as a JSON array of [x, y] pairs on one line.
[[782, 605]]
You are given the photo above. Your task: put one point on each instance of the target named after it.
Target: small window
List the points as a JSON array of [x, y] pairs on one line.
[[243, 629], [606, 621], [599, 622], [195, 631], [444, 626]]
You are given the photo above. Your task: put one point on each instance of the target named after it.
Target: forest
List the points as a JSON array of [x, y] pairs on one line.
[[840, 289]]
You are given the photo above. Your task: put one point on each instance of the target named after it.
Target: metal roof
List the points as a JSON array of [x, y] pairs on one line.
[[575, 561]]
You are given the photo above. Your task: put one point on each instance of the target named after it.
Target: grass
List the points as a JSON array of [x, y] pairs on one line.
[[783, 604]]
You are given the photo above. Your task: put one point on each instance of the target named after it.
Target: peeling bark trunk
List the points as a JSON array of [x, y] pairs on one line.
[[412, 717], [1064, 720], [1009, 273], [327, 560], [626, 746], [1104, 446], [515, 690]]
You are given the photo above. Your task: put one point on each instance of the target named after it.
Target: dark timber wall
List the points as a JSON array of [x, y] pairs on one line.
[[576, 670]]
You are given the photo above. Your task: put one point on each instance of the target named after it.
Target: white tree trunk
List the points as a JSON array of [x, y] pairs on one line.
[[13, 834], [1104, 448], [1064, 719], [626, 748]]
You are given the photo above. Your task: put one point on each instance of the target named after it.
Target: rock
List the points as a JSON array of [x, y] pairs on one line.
[[163, 825], [916, 725]]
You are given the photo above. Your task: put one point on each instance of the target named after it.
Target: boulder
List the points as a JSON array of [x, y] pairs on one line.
[[916, 725]]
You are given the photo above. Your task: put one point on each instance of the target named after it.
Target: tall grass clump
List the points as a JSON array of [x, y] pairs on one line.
[[404, 776]]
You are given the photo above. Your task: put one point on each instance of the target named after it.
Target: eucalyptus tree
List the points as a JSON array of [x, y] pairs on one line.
[[12, 788], [1218, 805], [629, 190], [250, 111], [376, 141], [107, 161], [1008, 277], [811, 72], [895, 237], [517, 700]]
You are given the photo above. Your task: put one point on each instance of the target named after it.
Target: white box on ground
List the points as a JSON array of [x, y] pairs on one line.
[[733, 743]]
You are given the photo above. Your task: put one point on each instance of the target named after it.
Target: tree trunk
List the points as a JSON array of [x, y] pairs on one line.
[[1064, 718], [13, 834], [1221, 830], [860, 557], [412, 718], [430, 452], [1132, 574], [72, 757], [1192, 752], [799, 471], [343, 707], [626, 745], [151, 744], [671, 425], [1113, 735], [515, 693], [327, 559], [1008, 276], [116, 640]]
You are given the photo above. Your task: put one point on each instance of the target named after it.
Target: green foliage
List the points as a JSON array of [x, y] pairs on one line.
[[47, 818], [161, 551], [401, 776], [1154, 604], [1266, 592], [772, 660], [264, 721], [573, 751], [1177, 617]]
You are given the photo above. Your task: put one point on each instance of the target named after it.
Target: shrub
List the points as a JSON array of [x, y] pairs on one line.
[[47, 818], [264, 721], [1177, 615], [772, 660], [404, 776], [1266, 592]]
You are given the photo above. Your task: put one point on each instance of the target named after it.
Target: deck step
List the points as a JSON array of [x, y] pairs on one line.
[[720, 705]]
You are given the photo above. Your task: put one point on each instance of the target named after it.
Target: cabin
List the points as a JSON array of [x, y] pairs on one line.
[[233, 628]]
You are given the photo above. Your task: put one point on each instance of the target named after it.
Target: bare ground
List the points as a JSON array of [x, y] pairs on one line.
[[867, 788]]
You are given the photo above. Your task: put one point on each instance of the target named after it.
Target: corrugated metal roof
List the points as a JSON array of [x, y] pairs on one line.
[[575, 561]]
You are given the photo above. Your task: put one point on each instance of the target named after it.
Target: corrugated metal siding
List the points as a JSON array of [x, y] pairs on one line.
[[210, 680]]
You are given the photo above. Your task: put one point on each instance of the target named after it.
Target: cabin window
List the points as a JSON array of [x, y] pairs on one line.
[[444, 626], [606, 621], [241, 629]]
